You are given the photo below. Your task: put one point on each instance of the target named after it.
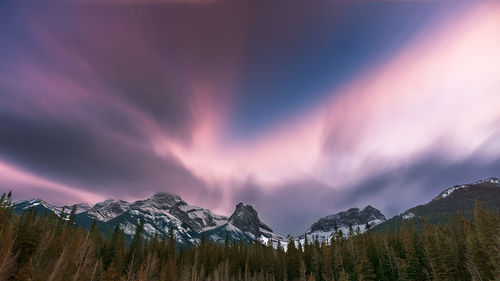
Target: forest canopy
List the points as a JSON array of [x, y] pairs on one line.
[[49, 247]]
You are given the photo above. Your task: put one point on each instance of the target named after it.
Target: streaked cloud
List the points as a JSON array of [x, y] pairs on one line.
[[212, 103]]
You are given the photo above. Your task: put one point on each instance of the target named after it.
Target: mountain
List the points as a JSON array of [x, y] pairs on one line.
[[246, 218], [454, 199], [42, 207], [326, 227], [245, 224], [189, 223], [38, 205], [106, 210], [161, 211]]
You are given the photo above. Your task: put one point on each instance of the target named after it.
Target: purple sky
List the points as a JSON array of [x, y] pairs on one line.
[[300, 108]]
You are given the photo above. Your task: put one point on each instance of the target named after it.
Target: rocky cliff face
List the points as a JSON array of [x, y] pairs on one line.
[[246, 219]]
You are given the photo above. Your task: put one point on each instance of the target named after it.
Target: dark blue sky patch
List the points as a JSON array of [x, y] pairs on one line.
[[299, 53]]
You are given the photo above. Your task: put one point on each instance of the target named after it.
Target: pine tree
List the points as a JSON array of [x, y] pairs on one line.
[[5, 210], [72, 216], [171, 240], [111, 274], [343, 276], [135, 255], [293, 261], [302, 271]]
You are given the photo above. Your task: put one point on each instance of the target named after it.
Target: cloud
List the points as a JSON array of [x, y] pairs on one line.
[[392, 190], [83, 103], [401, 132], [125, 100], [28, 184], [437, 90], [411, 184]]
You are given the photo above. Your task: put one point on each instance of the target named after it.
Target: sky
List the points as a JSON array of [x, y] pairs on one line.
[[300, 108]]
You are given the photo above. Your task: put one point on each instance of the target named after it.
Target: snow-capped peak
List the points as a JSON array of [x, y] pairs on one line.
[[109, 209], [33, 202], [354, 218], [245, 224]]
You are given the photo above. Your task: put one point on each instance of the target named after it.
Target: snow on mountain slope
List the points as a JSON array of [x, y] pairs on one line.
[[163, 210], [159, 212], [408, 215], [42, 206], [245, 224], [156, 222], [80, 208], [109, 209], [37, 204], [327, 227], [195, 217], [204, 217], [491, 180]]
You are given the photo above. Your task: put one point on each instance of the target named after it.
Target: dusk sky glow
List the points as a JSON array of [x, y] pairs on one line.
[[300, 108]]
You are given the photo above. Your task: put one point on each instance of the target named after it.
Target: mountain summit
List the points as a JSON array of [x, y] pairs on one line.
[[326, 227], [108, 209], [245, 218], [245, 224]]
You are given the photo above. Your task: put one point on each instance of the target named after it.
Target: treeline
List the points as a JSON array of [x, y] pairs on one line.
[[49, 247]]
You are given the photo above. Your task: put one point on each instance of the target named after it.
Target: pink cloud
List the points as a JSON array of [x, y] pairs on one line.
[[29, 184], [445, 85], [442, 87]]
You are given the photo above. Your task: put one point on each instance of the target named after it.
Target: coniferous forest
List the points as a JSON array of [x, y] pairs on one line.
[[49, 247]]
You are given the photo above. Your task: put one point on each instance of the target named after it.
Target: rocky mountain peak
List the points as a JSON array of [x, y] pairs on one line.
[[372, 213], [79, 207], [369, 208], [160, 201], [34, 202], [246, 219], [353, 210], [167, 198], [352, 217], [110, 203], [109, 209]]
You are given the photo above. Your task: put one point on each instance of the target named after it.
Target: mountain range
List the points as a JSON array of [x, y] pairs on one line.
[[162, 211]]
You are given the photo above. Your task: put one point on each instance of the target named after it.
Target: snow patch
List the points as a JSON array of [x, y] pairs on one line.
[[489, 180], [452, 189], [408, 216]]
